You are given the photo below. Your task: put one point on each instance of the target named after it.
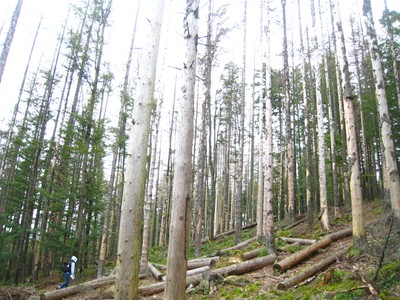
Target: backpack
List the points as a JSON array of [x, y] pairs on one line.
[[66, 267]]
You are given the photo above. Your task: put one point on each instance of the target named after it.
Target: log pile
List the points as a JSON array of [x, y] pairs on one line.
[[201, 268], [236, 269], [310, 271], [298, 257]]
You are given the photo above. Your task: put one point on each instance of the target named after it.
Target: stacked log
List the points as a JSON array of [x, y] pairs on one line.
[[297, 257]]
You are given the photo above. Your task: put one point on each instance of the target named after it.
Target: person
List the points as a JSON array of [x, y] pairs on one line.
[[69, 273]]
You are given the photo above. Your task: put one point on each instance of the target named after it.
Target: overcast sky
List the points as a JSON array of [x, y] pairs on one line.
[[54, 13]]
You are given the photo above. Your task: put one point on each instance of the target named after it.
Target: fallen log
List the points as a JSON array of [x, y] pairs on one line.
[[310, 271], [160, 267], [217, 236], [296, 240], [156, 273], [299, 256], [202, 262], [284, 248], [290, 226], [75, 289], [250, 254], [236, 247], [194, 271], [238, 269]]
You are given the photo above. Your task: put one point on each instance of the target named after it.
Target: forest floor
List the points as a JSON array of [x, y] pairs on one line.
[[354, 275]]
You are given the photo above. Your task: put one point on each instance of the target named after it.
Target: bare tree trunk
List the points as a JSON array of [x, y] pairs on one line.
[[359, 235], [9, 38], [180, 216], [260, 192], [370, 179], [239, 172], [130, 236], [388, 150], [119, 135], [288, 125], [202, 158], [320, 121], [306, 123], [268, 205]]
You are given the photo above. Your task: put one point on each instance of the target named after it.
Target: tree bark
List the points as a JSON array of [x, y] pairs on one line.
[[298, 257], [359, 235], [288, 125], [317, 60], [118, 138], [268, 236], [180, 215], [130, 236]]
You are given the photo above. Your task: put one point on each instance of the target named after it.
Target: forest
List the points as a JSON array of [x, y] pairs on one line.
[[219, 119]]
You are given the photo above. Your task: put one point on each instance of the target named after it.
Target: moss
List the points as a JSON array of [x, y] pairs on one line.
[[389, 276], [293, 248], [354, 252], [263, 252]]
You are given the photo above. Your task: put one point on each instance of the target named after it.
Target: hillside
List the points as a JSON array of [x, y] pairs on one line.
[[371, 275]]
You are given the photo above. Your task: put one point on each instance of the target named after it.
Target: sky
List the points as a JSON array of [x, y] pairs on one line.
[[54, 12]]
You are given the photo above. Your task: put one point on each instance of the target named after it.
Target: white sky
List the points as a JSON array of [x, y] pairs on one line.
[[119, 36]]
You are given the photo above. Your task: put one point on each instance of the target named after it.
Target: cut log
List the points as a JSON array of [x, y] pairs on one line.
[[251, 254], [284, 248], [310, 271], [160, 267], [297, 257], [217, 236], [290, 226], [75, 289], [195, 263], [238, 269], [202, 262], [156, 273], [236, 247], [194, 271], [296, 240]]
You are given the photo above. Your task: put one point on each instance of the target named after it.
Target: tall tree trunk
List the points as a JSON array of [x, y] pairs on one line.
[[239, 173], [388, 150], [370, 178], [180, 217], [268, 205], [261, 156], [9, 38], [202, 158], [359, 235], [116, 149], [169, 175], [318, 59], [288, 120], [306, 123], [130, 235]]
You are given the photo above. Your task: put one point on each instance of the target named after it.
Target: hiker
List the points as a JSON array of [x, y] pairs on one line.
[[68, 269]]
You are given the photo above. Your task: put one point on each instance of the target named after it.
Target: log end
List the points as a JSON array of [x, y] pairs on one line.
[[213, 263], [281, 286], [277, 267]]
